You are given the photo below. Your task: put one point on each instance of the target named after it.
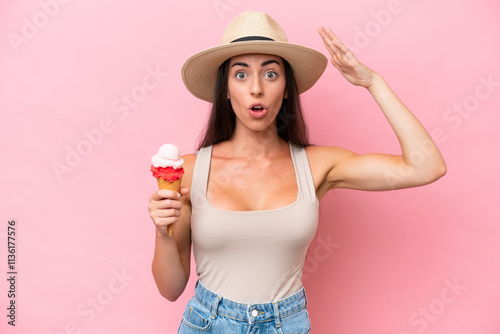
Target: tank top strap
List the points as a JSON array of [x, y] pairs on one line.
[[200, 175], [305, 181]]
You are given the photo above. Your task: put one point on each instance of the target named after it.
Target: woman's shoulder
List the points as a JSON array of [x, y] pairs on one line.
[[325, 153], [189, 161], [323, 158], [318, 153]]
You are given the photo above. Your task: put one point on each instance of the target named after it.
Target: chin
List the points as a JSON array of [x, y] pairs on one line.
[[262, 127]]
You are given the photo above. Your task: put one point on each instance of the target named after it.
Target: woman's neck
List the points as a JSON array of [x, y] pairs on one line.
[[252, 144]]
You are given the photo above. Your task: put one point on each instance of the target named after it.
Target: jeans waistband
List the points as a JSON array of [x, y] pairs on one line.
[[251, 313]]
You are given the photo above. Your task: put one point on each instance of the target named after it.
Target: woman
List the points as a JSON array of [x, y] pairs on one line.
[[249, 198]]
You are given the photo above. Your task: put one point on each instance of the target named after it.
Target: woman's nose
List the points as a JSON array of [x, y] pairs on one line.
[[256, 88]]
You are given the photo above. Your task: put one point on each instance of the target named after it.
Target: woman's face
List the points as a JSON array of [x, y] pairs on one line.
[[256, 88]]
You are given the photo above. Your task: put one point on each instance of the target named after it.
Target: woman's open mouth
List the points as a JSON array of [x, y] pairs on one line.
[[257, 110]]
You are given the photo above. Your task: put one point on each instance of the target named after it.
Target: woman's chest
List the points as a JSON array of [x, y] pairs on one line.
[[251, 185]]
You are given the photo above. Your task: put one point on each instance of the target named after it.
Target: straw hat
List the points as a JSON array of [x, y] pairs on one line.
[[251, 32]]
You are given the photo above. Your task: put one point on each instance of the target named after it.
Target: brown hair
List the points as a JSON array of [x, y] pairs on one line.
[[290, 123]]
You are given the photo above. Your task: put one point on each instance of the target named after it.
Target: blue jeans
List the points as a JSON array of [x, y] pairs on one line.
[[208, 312]]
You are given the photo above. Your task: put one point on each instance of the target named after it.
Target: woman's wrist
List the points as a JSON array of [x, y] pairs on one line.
[[376, 82], [164, 235]]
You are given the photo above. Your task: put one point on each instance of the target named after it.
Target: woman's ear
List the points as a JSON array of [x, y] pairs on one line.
[[228, 97], [285, 96]]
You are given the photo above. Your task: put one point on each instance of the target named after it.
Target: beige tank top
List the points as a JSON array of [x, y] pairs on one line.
[[253, 256]]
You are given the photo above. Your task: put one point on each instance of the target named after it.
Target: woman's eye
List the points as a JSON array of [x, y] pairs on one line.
[[241, 75], [271, 75]]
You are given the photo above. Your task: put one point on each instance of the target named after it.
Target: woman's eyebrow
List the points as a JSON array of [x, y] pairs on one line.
[[267, 62], [240, 64]]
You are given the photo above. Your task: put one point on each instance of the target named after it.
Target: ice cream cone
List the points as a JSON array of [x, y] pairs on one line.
[[164, 184], [175, 186], [167, 168]]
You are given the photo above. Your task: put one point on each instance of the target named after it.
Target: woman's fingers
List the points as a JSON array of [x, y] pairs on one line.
[[332, 49], [339, 52], [164, 193], [164, 203], [168, 213], [344, 60], [330, 40], [168, 204], [165, 208], [336, 41], [184, 190]]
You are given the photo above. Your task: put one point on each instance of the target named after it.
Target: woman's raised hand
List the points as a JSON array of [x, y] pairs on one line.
[[343, 60]]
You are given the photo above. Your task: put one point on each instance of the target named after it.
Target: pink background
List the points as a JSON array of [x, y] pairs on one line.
[[422, 260]]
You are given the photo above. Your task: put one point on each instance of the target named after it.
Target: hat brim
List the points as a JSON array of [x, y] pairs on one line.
[[199, 72]]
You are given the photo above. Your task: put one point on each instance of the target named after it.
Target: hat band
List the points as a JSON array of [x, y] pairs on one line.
[[252, 38]]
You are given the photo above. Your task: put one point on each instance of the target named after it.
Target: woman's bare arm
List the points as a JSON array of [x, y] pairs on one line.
[[420, 162], [172, 255]]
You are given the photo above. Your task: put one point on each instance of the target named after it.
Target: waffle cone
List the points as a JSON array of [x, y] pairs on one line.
[[175, 186]]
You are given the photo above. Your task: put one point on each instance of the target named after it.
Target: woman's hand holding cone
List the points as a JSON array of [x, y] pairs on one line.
[[165, 208]]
